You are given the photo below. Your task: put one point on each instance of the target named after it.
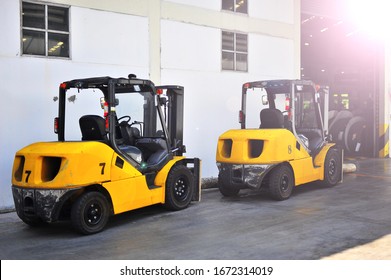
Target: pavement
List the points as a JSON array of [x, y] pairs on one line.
[[349, 221], [379, 249]]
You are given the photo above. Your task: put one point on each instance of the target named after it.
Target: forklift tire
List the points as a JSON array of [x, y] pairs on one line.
[[90, 213], [228, 191], [179, 188], [332, 168], [32, 221], [225, 189], [281, 182]]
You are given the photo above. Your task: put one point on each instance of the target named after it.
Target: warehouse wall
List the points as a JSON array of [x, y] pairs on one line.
[[29, 84], [170, 42], [212, 96]]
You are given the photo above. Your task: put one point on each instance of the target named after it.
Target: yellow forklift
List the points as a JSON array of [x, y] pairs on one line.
[[120, 147], [282, 142]]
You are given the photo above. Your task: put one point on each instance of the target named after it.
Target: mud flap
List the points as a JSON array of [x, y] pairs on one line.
[[341, 153], [194, 165]]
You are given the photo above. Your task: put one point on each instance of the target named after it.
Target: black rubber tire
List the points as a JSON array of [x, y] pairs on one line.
[[179, 188], [225, 189], [90, 213], [32, 221], [281, 182], [228, 191], [332, 168], [354, 135]]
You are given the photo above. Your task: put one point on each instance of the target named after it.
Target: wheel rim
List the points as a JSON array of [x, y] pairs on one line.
[[284, 184], [93, 214], [181, 189], [332, 168]]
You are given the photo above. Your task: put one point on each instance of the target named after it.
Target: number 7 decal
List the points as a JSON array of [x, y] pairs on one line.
[[28, 172], [103, 164]]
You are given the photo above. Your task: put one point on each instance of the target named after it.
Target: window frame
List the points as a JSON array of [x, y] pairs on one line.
[[46, 30], [235, 52], [234, 2]]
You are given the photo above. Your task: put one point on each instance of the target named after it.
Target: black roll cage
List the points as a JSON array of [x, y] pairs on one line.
[[290, 87], [172, 117]]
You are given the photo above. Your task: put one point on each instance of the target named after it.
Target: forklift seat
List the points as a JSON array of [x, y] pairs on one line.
[[315, 138], [128, 133], [129, 136], [155, 151], [271, 118], [93, 128]]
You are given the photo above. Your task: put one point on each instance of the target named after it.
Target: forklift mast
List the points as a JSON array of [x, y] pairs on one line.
[[172, 102], [324, 93]]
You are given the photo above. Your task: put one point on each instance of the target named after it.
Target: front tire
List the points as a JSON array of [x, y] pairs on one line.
[[332, 168], [281, 182], [90, 213], [179, 188]]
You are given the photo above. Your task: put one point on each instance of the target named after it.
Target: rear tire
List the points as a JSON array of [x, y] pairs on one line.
[[281, 182], [225, 189], [90, 213], [332, 168], [32, 221], [179, 188]]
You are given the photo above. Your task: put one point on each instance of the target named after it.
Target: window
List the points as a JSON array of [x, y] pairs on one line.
[[234, 51], [237, 6], [45, 30]]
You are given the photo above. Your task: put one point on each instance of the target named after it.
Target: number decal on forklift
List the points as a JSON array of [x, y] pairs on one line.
[[28, 172], [103, 164], [289, 149]]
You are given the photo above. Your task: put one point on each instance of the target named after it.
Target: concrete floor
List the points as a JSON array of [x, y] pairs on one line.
[[315, 223]]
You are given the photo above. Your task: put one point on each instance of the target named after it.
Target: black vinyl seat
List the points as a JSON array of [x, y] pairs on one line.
[[93, 128], [315, 138], [133, 152], [129, 136], [271, 118], [155, 151]]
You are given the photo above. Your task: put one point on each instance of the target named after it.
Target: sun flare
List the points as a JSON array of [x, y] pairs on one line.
[[372, 17]]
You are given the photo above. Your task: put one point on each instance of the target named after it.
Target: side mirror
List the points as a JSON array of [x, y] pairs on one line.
[[102, 102], [265, 101]]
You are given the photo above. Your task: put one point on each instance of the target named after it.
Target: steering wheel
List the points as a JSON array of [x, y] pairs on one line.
[[124, 118]]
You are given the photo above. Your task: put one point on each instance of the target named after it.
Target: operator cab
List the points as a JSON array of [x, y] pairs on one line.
[[130, 116], [284, 104]]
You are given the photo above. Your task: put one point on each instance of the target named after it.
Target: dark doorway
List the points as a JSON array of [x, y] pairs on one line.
[[335, 53]]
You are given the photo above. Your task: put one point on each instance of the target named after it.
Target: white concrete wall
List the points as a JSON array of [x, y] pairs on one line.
[[109, 38], [206, 4], [212, 96], [274, 10], [169, 41], [102, 43]]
